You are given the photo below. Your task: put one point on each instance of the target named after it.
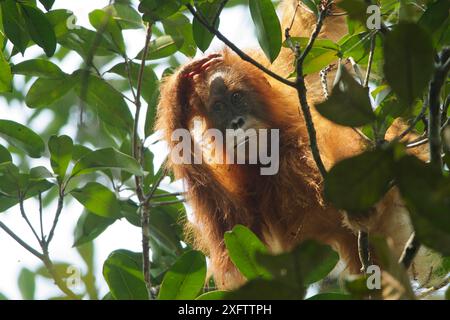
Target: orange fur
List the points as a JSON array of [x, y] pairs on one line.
[[286, 208]]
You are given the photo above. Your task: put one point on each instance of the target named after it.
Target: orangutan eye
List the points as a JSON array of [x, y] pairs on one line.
[[236, 98], [218, 106]]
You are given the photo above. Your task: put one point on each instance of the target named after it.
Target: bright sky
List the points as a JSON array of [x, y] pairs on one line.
[[234, 24]]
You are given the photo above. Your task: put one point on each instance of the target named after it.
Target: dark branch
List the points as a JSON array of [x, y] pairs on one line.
[[302, 91], [238, 51], [20, 241]]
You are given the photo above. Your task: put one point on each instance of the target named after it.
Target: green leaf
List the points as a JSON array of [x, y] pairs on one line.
[[323, 53], [356, 9], [309, 262], [58, 19], [5, 156], [331, 296], [261, 289], [38, 68], [107, 158], [242, 245], [268, 28], [102, 20], [201, 35], [82, 41], [14, 25], [48, 4], [149, 86], [163, 47], [179, 25], [427, 195], [27, 284], [388, 262], [357, 287], [348, 104], [156, 10], [212, 295], [89, 227], [22, 137], [162, 229], [98, 199], [60, 154], [185, 279], [357, 47], [61, 269], [5, 75], [358, 183], [45, 92], [312, 5], [107, 101], [123, 273], [409, 63], [39, 28], [87, 253], [126, 16], [12, 182], [435, 15], [40, 173]]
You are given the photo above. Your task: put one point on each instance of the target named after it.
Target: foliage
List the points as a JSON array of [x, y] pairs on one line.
[[101, 162]]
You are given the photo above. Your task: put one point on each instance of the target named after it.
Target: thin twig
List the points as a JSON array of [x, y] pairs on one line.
[[24, 216], [414, 122], [40, 217], [363, 250], [409, 252], [155, 186], [423, 141], [56, 218], [433, 289], [20, 241], [166, 203], [362, 135], [130, 82], [166, 195], [370, 62]]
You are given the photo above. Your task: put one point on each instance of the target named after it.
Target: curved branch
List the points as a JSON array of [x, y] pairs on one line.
[[238, 51]]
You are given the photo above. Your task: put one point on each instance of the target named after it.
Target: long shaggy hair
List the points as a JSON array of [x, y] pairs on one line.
[[286, 208]]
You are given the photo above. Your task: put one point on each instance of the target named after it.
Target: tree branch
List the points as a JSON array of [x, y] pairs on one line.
[[238, 51], [24, 216], [302, 91], [137, 154], [20, 241], [434, 119], [56, 219], [57, 277], [434, 137]]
